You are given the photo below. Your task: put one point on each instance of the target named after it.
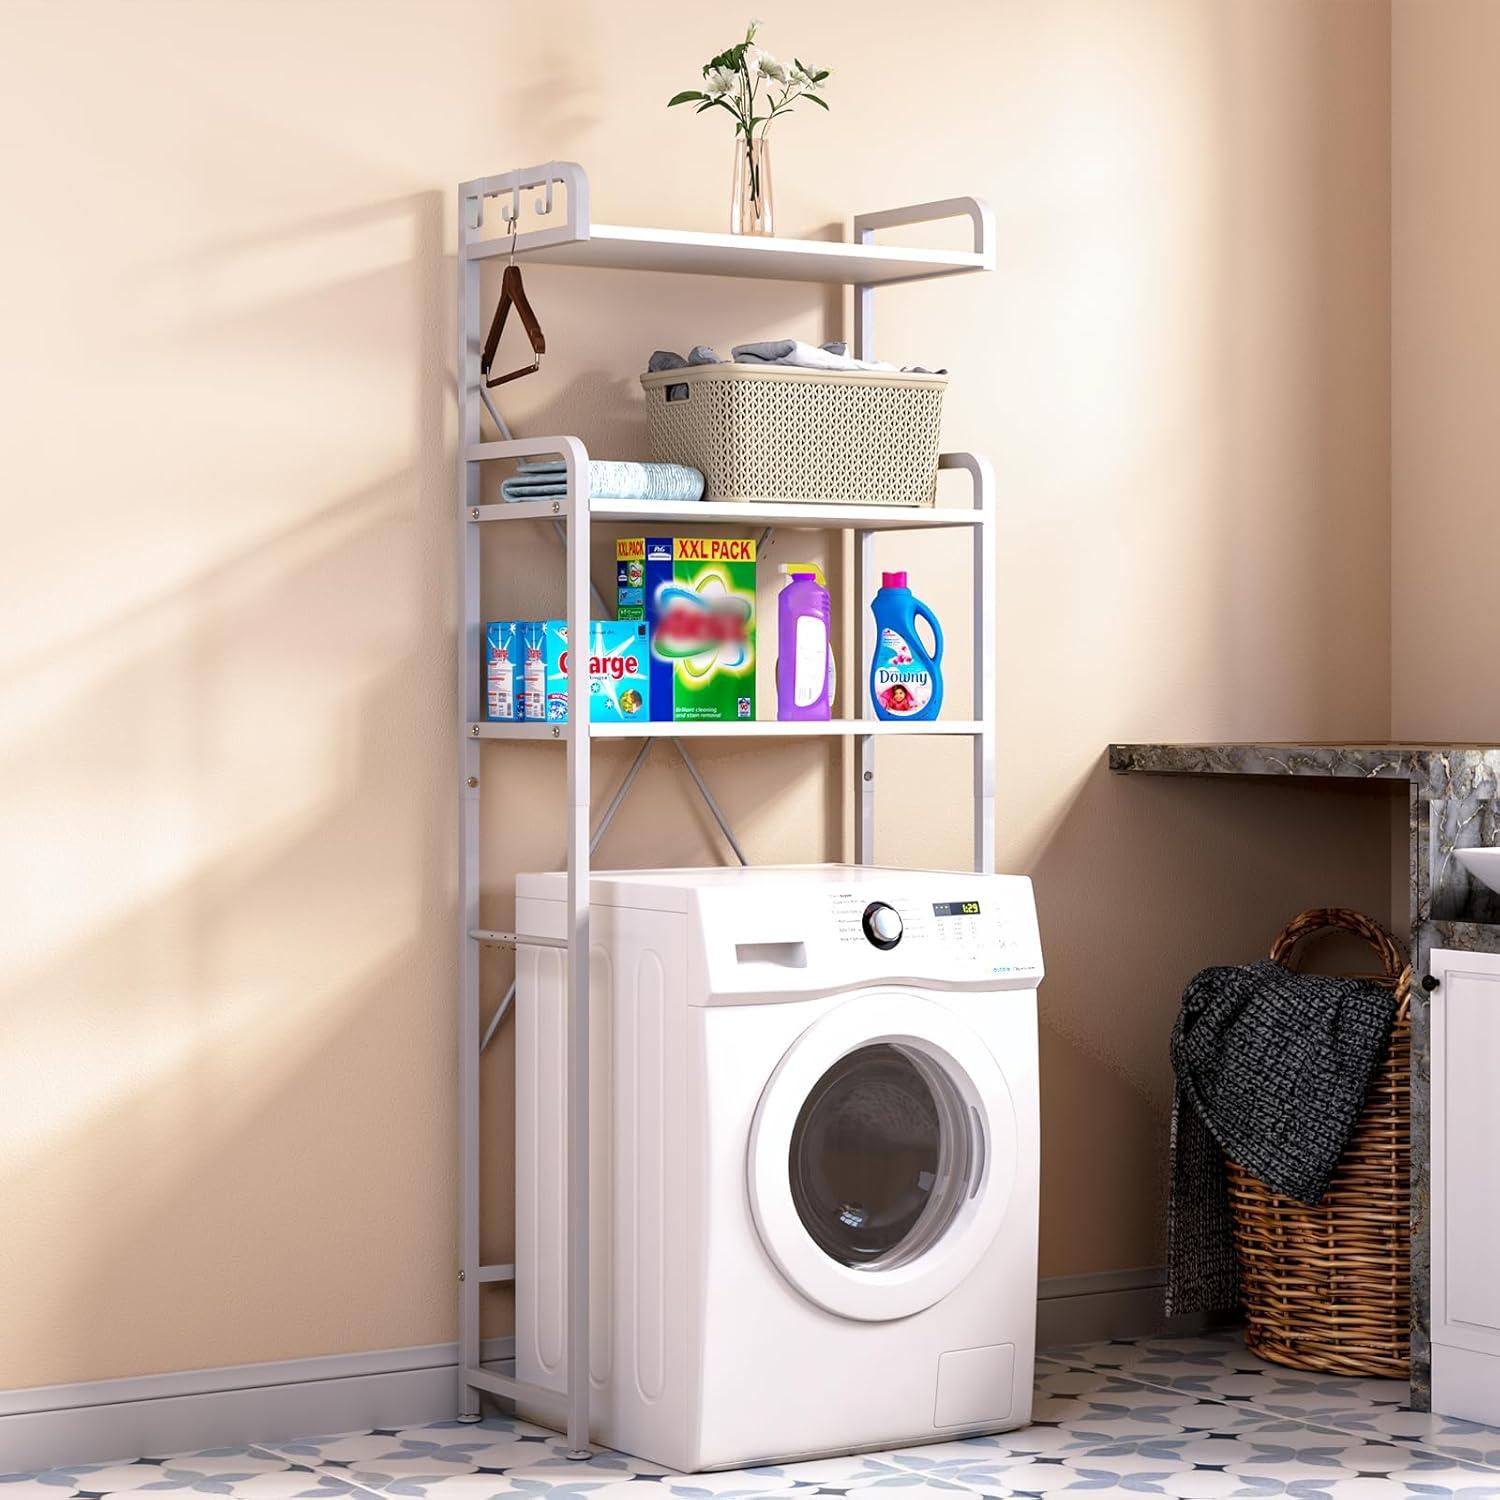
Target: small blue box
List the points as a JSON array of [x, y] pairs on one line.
[[619, 685], [503, 671]]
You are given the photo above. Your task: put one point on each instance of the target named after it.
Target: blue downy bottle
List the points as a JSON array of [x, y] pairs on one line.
[[906, 680]]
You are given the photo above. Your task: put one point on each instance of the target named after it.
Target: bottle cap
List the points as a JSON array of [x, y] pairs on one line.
[[893, 580], [805, 570]]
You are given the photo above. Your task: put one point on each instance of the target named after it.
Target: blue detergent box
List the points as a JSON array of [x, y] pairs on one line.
[[503, 670], [619, 684]]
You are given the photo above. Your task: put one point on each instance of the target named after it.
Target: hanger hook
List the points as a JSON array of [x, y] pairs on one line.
[[513, 232]]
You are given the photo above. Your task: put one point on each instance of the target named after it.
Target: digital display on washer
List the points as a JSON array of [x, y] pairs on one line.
[[955, 908]]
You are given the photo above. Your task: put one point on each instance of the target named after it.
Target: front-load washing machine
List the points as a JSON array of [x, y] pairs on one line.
[[813, 1158]]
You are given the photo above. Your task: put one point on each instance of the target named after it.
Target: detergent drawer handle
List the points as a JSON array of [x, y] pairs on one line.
[[782, 955]]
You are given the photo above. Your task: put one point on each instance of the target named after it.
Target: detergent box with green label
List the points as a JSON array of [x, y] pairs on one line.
[[696, 596], [619, 685]]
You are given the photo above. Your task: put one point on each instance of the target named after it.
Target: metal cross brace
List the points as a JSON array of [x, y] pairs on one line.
[[605, 819], [608, 815]]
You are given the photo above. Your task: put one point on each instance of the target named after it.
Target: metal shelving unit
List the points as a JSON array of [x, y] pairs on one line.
[[573, 240]]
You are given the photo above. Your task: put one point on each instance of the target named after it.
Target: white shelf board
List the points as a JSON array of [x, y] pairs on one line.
[[712, 513], [693, 253], [763, 729]]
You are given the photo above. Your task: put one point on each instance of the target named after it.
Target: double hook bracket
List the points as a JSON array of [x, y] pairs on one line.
[[512, 286]]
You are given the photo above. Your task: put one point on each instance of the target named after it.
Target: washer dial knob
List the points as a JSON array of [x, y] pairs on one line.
[[882, 924]]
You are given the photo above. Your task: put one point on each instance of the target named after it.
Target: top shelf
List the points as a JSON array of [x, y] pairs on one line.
[[571, 238], [623, 248]]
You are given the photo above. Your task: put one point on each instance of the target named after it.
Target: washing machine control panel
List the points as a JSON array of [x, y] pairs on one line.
[[965, 933]]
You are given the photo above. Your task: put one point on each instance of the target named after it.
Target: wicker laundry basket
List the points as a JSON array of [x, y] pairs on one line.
[[1329, 1287], [778, 433]]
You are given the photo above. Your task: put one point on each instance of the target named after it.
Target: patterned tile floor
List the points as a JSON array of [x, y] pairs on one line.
[[1191, 1418]]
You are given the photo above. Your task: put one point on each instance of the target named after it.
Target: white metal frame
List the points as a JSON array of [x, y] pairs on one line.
[[576, 240]]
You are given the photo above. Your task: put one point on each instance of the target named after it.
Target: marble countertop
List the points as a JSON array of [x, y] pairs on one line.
[[1437, 771]]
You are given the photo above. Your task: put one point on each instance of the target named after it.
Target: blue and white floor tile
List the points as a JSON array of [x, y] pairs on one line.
[[239, 1473], [1189, 1419], [1221, 1368]]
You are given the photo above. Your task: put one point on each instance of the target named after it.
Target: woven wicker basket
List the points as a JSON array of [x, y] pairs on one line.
[[1329, 1287], [776, 433]]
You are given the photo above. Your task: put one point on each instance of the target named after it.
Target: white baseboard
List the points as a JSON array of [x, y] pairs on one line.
[[266, 1403], [234, 1405], [1103, 1305], [1466, 1384]]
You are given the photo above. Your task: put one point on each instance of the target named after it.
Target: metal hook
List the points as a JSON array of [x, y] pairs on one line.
[[515, 204], [513, 232]]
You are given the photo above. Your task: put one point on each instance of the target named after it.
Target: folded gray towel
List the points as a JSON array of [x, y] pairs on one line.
[[833, 355], [1272, 1069]]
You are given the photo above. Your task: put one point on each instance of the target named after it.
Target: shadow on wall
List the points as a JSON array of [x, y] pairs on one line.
[[265, 918], [1167, 876], [265, 906]]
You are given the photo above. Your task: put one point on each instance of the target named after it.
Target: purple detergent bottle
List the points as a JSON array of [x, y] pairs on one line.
[[804, 658]]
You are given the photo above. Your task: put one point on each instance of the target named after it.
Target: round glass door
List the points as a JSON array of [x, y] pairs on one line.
[[880, 1156]]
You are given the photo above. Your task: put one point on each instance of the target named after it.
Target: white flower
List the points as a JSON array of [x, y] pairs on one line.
[[774, 70], [720, 81], [753, 59], [802, 78]]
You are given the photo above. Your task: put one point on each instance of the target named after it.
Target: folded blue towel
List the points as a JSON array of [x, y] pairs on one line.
[[608, 480]]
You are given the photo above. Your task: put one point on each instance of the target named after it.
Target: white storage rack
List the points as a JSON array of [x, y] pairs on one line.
[[576, 241]]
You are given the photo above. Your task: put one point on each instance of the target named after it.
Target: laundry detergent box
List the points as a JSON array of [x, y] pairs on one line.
[[503, 664], [619, 684], [696, 596]]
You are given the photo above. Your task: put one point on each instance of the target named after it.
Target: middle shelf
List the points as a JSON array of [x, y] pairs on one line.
[[816, 516], [739, 513], [726, 729]]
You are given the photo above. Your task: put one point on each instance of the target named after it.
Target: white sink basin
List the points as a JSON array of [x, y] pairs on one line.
[[1482, 864]]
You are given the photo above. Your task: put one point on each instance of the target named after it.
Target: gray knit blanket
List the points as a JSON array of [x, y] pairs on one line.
[[1272, 1069]]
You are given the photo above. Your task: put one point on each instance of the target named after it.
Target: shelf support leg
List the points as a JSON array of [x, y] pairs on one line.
[[984, 668], [468, 830], [579, 1235], [864, 754], [864, 311]]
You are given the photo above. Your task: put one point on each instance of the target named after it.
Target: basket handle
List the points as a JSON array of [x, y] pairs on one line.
[[1340, 919]]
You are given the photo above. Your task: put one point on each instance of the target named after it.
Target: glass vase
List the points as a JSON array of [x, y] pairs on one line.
[[751, 210]]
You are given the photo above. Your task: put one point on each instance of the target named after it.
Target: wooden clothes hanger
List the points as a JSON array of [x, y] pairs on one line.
[[513, 294]]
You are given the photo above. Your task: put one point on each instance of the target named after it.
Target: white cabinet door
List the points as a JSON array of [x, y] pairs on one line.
[[1466, 1185]]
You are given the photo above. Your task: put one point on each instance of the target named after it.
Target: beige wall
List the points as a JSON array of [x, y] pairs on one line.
[[1445, 338], [226, 973]]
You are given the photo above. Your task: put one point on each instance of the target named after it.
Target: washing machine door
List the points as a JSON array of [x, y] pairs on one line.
[[882, 1156]]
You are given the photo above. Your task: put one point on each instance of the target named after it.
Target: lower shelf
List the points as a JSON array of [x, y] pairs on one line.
[[756, 729]]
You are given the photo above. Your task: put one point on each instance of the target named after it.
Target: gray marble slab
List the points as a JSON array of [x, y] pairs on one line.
[[1455, 804]]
